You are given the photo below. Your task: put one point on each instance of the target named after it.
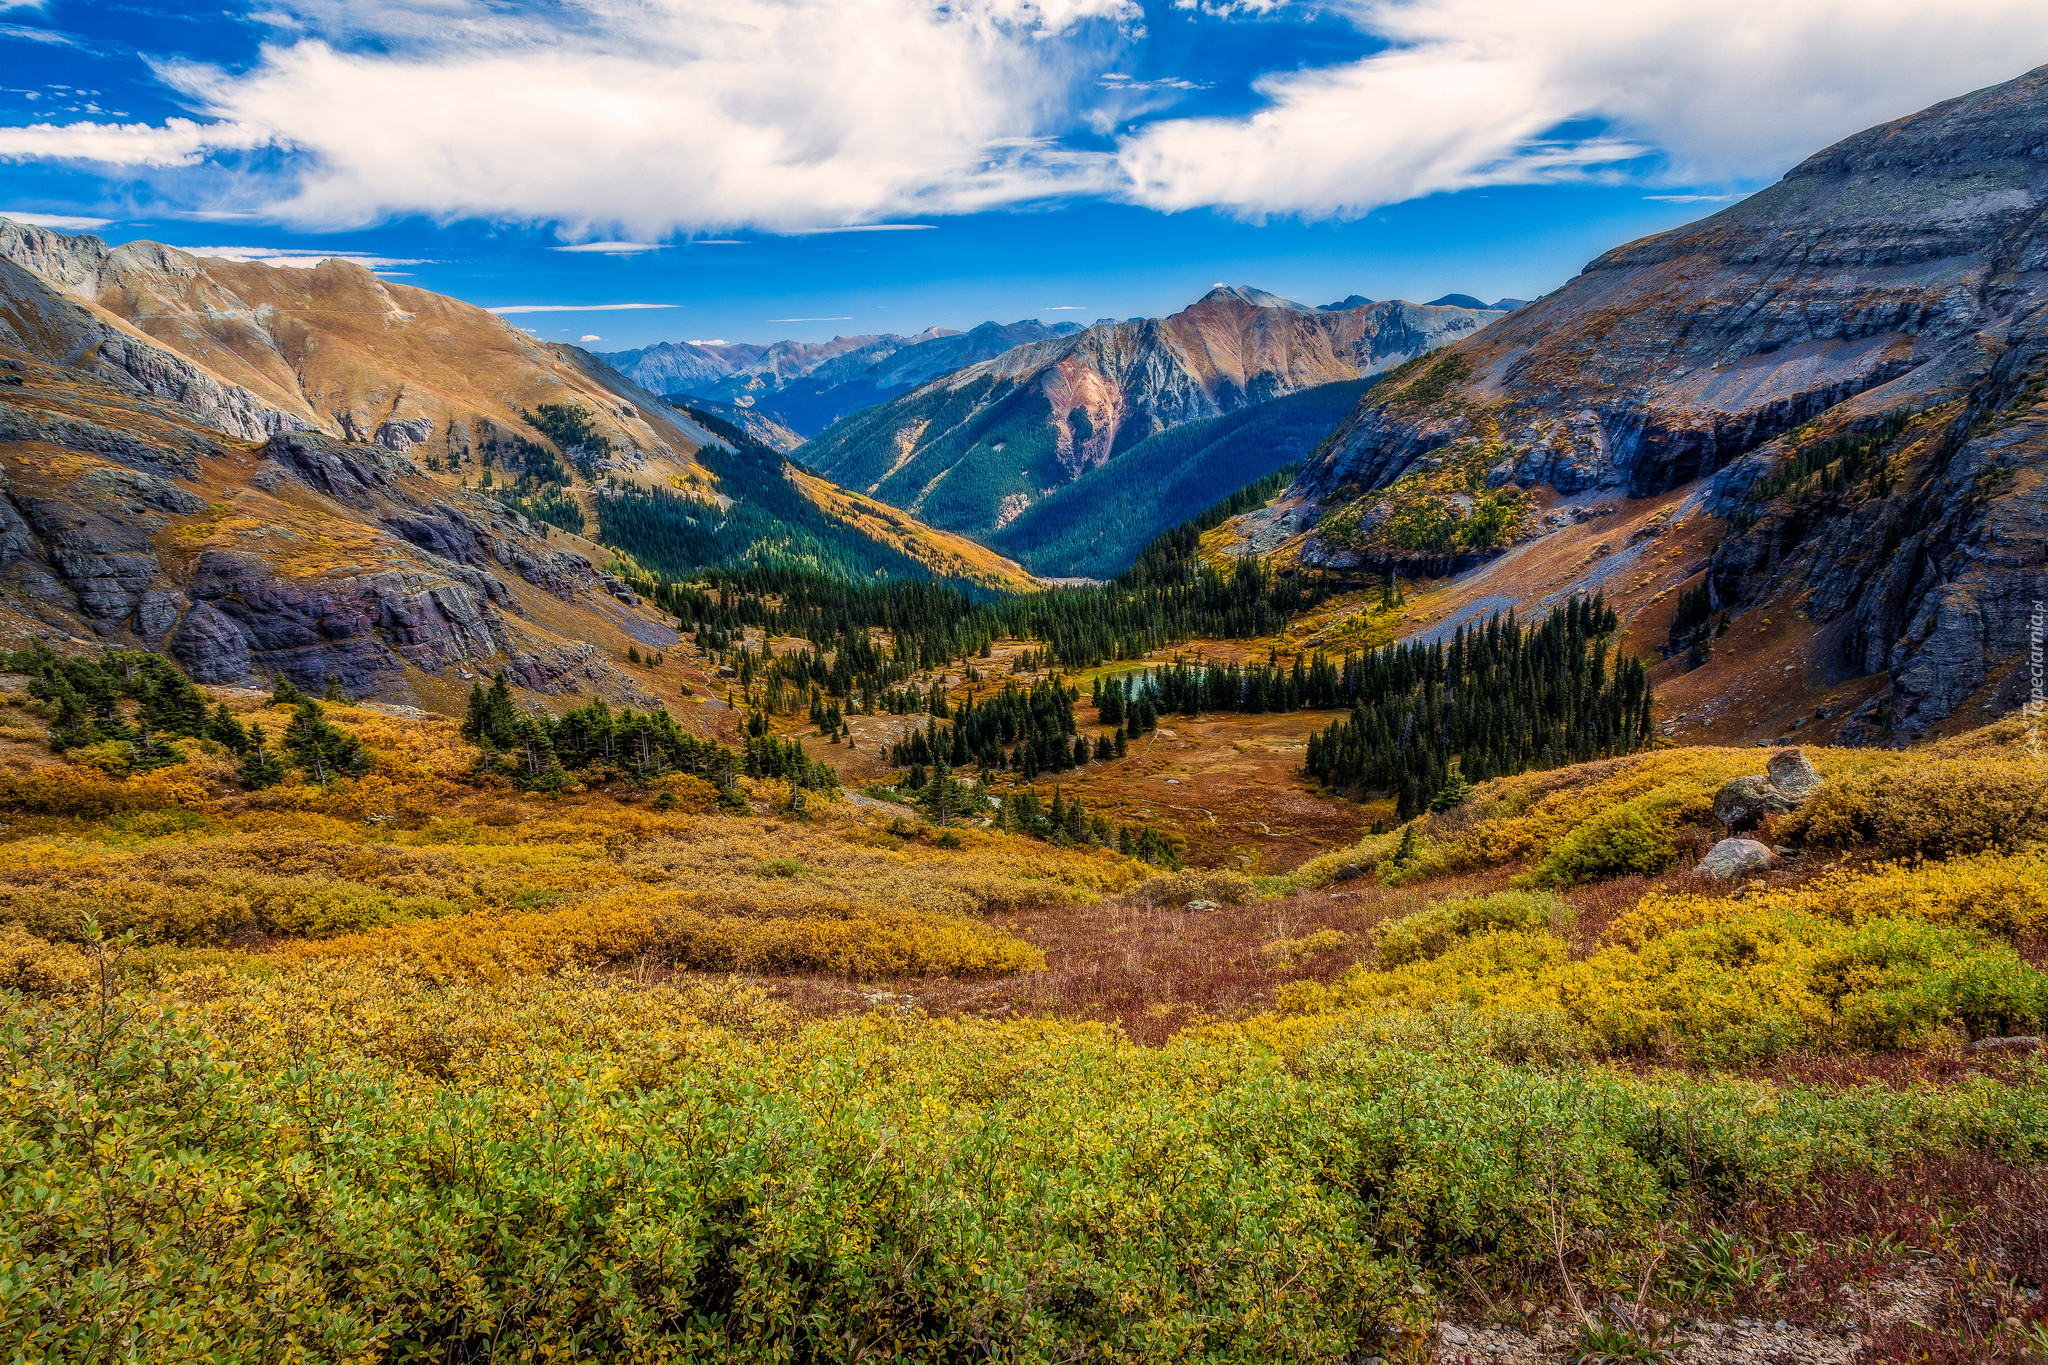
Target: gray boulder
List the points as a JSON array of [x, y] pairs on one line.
[[1794, 776], [1735, 858], [1743, 802], [211, 646]]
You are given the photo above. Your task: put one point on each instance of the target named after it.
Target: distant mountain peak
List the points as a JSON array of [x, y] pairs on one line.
[[1345, 304], [1258, 298], [1455, 301]]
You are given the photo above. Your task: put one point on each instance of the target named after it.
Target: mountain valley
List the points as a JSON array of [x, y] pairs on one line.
[[1372, 834]]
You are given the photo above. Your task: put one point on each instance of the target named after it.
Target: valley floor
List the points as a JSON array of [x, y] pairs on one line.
[[415, 1064]]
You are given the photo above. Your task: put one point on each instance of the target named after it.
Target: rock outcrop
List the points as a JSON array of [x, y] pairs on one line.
[[1736, 858], [1789, 781], [123, 521]]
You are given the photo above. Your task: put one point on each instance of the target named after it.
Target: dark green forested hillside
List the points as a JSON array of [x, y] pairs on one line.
[[987, 439], [770, 521], [1094, 526]]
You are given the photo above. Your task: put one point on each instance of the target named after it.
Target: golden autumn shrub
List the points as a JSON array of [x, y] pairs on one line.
[[1749, 983], [1988, 893], [1939, 807], [858, 942], [35, 966], [1428, 933]]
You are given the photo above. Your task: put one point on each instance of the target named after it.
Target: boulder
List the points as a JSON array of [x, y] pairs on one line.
[[1735, 857], [212, 648], [1794, 776], [1743, 802]]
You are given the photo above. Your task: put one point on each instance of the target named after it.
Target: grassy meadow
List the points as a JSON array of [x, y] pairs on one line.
[[414, 1065]]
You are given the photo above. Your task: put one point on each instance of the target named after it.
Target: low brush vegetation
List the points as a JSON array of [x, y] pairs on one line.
[[489, 1040]]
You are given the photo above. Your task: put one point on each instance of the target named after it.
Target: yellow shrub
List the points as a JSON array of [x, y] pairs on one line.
[[1750, 982], [37, 967], [1288, 951], [1988, 893], [1935, 807], [856, 942], [1428, 932]]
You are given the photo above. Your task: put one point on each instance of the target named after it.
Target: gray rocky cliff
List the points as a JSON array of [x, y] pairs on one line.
[[1900, 273]]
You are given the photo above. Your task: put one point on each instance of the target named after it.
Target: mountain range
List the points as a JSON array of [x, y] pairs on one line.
[[1802, 441], [319, 474], [976, 450], [806, 386]]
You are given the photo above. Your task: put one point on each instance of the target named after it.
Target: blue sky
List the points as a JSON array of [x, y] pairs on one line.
[[1061, 159]]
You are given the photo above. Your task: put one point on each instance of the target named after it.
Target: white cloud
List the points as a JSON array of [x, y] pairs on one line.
[[300, 258], [64, 222], [631, 121], [512, 308], [644, 117], [860, 227], [1468, 89], [177, 142], [611, 248], [590, 336]]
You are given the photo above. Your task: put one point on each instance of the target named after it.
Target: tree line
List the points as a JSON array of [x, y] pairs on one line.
[[1501, 698]]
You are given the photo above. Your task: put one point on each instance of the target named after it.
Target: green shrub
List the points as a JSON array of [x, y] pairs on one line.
[[1626, 841], [1428, 933]]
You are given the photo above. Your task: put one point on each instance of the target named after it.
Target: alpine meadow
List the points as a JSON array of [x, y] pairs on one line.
[[1358, 833]]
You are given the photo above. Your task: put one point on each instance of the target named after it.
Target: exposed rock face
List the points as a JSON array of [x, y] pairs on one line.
[[1736, 858], [211, 647], [116, 524], [1902, 271], [252, 351], [53, 328]]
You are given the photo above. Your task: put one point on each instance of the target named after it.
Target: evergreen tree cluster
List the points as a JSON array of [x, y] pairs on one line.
[[1030, 730], [1499, 699], [1067, 822], [930, 625], [1192, 688], [141, 700], [89, 696], [541, 752], [1693, 625], [570, 427], [1836, 466], [1167, 557]]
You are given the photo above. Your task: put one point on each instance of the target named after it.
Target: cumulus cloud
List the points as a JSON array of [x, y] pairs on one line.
[[176, 142], [1467, 90], [651, 116], [632, 121]]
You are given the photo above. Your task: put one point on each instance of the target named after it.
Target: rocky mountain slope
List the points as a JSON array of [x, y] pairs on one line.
[[973, 451], [807, 386], [1801, 439], [283, 472]]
